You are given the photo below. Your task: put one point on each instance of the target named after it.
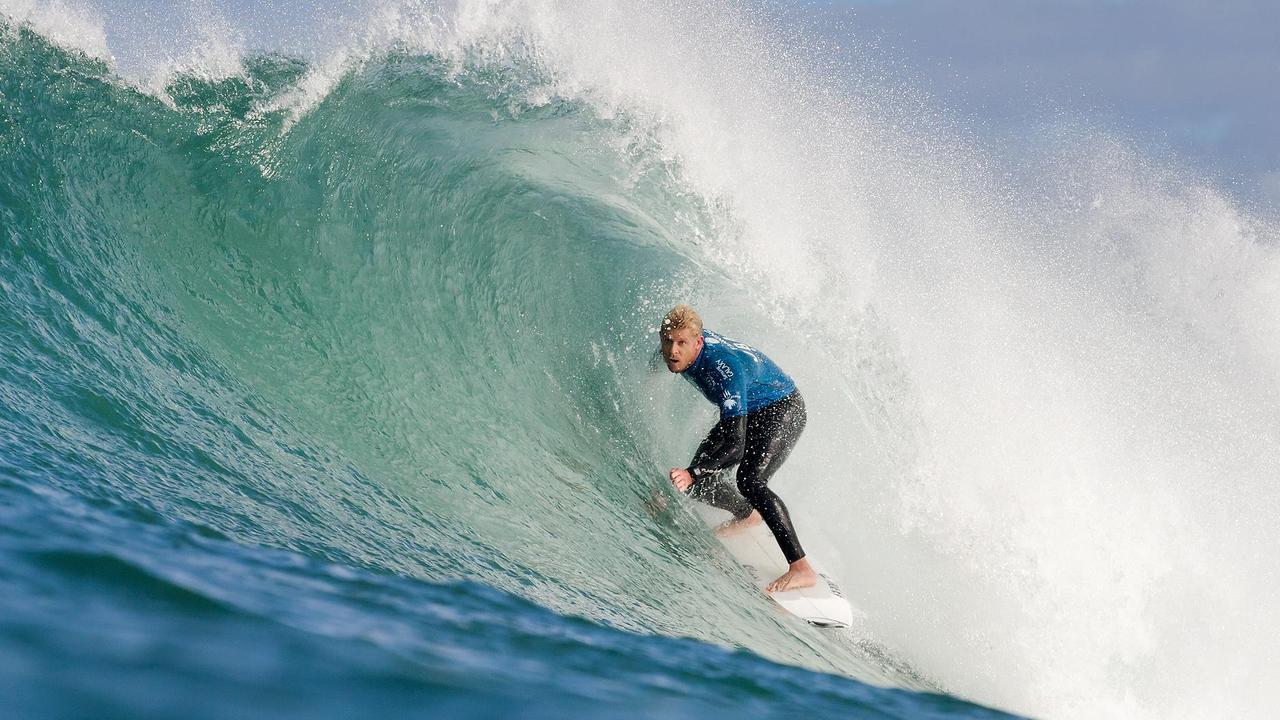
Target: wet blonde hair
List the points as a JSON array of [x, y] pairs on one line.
[[681, 316]]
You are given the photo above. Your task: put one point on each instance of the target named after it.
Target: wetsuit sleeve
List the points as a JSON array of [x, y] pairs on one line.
[[723, 447]]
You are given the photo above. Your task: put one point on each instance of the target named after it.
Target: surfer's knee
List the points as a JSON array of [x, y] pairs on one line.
[[754, 491]]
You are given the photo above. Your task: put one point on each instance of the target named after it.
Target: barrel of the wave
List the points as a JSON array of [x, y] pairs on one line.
[[761, 417]]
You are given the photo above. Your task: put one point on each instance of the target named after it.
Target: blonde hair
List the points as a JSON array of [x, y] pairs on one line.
[[681, 316]]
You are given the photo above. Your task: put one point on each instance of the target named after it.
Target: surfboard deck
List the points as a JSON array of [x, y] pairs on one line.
[[823, 605]]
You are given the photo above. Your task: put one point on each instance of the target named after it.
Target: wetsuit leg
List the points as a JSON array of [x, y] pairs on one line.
[[771, 433]]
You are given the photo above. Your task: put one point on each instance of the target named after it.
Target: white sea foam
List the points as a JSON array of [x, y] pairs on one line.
[[69, 25]]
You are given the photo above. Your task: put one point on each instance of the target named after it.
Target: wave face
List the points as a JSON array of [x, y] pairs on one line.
[[326, 382]]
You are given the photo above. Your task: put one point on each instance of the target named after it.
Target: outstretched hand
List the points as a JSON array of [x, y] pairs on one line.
[[681, 479]]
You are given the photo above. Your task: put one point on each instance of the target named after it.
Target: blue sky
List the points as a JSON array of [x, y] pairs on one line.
[[1192, 79]]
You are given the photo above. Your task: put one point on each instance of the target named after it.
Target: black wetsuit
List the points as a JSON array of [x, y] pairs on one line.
[[762, 416]]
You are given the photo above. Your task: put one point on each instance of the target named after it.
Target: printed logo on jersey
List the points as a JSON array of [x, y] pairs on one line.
[[725, 371], [731, 400], [711, 338], [750, 351]]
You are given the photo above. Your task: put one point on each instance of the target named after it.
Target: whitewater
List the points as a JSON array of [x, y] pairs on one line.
[[326, 380]]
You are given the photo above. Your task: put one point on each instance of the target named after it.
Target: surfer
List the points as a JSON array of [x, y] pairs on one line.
[[761, 417]]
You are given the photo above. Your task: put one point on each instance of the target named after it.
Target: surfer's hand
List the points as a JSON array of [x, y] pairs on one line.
[[681, 479]]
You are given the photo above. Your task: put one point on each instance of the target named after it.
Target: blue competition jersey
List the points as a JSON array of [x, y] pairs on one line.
[[736, 377]]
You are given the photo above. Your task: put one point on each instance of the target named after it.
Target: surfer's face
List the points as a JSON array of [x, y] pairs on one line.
[[680, 348]]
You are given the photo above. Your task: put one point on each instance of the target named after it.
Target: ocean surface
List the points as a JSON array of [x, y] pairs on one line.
[[327, 383]]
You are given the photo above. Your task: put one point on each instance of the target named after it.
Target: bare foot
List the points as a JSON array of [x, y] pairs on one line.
[[734, 527], [801, 575]]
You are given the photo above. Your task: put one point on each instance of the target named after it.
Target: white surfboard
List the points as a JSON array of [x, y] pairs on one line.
[[823, 605]]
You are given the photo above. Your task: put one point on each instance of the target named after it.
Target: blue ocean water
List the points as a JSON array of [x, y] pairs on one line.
[[326, 383]]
